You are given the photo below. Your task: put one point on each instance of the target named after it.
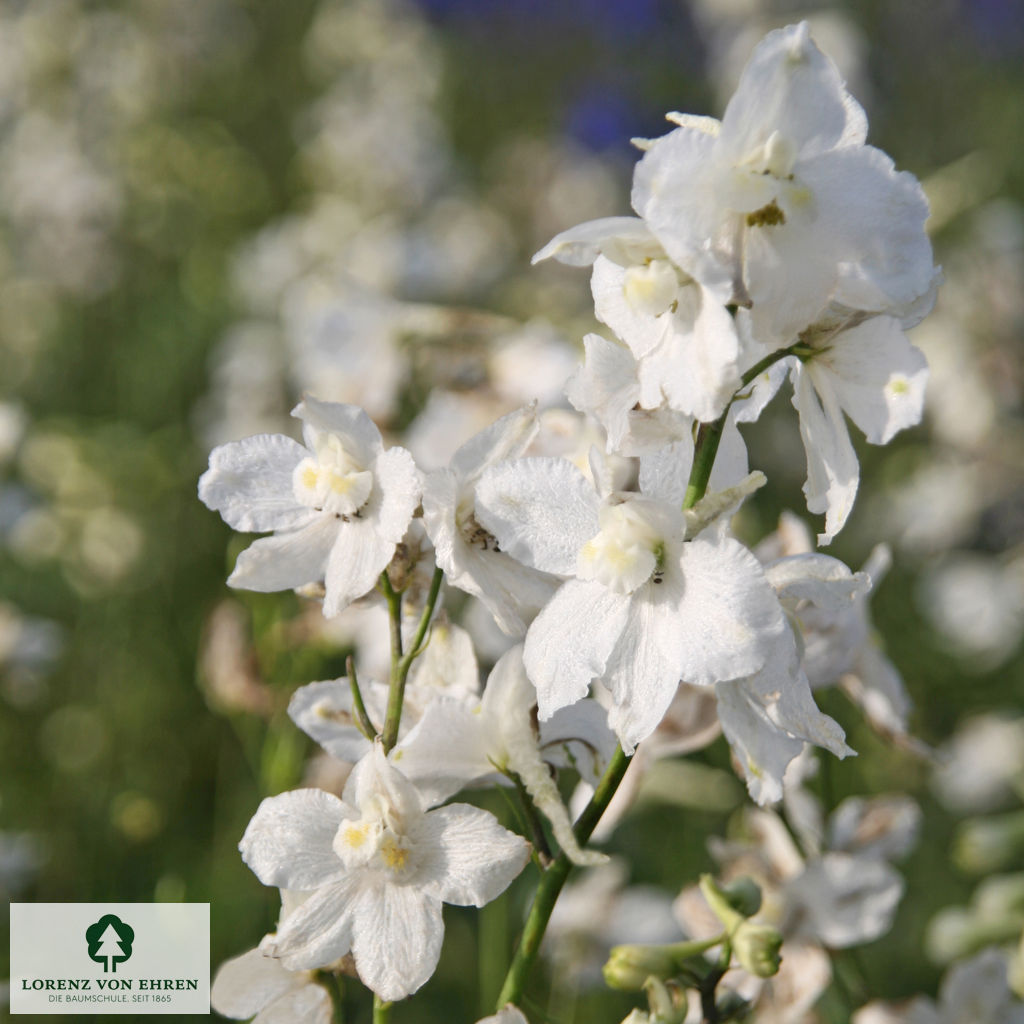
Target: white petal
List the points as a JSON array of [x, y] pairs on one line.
[[397, 937], [359, 555], [319, 931], [542, 511], [881, 826], [762, 750], [358, 433], [288, 842], [833, 472], [876, 685], [324, 712], [579, 735], [878, 377], [674, 191], [729, 614], [509, 1015], [823, 581], [846, 900], [473, 859], [874, 217], [375, 780], [789, 86], [451, 746], [397, 492], [570, 641], [286, 560], [606, 386], [310, 1004], [624, 239], [245, 984], [249, 483], [506, 438], [640, 331], [645, 667]]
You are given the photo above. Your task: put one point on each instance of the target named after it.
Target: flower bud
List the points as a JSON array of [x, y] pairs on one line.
[[720, 904], [629, 967], [757, 948], [743, 895], [667, 1001]]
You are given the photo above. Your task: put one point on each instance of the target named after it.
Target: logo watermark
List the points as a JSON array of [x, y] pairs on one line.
[[110, 958]]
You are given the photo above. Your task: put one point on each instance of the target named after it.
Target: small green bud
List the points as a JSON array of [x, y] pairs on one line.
[[720, 904], [667, 1001], [757, 948], [743, 895], [629, 967]]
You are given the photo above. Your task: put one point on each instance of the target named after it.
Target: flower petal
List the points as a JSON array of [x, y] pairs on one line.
[[542, 510], [877, 376], [319, 931], [249, 483], [324, 711], [310, 1004], [286, 560], [729, 615], [625, 240], [245, 984], [570, 641], [288, 841], [359, 555], [358, 433], [397, 937], [472, 859], [833, 473]]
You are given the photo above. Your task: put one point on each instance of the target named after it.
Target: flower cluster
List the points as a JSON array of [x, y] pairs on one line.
[[773, 242]]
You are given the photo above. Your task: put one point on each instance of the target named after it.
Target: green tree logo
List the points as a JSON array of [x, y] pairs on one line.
[[110, 942]]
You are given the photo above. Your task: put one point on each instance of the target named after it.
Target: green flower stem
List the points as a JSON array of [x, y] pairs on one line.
[[363, 720], [332, 983], [552, 881], [709, 435], [705, 450], [381, 1010], [401, 661]]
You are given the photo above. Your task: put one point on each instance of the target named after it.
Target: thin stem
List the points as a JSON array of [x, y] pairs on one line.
[[332, 983], [552, 881], [533, 822], [366, 726], [381, 1010], [401, 662], [709, 435], [705, 450]]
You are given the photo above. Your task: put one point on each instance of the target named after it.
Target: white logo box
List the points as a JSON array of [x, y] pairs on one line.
[[101, 958]]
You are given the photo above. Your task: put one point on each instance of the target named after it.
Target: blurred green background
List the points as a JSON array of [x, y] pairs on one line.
[[173, 175]]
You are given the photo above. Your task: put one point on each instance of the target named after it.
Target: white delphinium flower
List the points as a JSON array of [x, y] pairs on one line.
[[648, 599], [457, 743], [973, 992], [325, 710], [831, 610], [834, 890], [338, 506], [784, 199], [376, 868], [678, 330], [466, 550], [867, 369]]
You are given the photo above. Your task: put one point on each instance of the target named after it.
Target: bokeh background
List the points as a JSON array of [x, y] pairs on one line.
[[208, 208]]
